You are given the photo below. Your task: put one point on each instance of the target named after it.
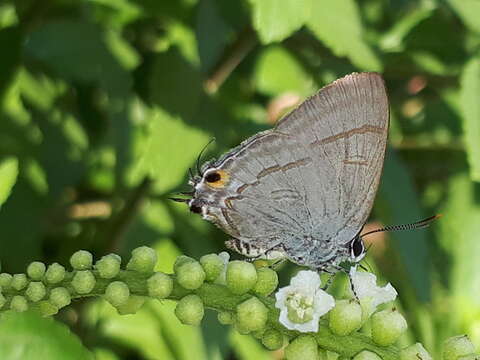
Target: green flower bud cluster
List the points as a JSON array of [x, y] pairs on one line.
[[245, 283], [48, 289]]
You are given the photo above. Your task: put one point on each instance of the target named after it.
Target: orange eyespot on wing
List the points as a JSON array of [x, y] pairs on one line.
[[217, 179]]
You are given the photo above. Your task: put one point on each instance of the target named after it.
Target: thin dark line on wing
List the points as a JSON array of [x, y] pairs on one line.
[[346, 134]]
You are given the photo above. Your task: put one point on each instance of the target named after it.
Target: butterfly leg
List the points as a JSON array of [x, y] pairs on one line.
[[253, 252]]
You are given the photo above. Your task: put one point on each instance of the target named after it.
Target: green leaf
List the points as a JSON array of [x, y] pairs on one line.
[[343, 34], [247, 348], [11, 41], [276, 20], [468, 11], [459, 229], [27, 336], [160, 155], [393, 39], [470, 90], [277, 72], [77, 52], [402, 206], [8, 177]]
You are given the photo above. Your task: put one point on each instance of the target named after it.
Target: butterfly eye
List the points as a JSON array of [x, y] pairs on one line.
[[213, 177], [195, 209], [357, 249], [216, 178]]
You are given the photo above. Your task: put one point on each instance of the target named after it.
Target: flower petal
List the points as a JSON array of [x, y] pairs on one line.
[[306, 279], [324, 302], [365, 285]]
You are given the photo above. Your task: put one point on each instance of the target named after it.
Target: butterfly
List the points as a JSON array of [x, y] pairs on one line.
[[304, 189]]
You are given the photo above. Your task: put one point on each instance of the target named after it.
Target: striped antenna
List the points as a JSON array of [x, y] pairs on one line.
[[416, 225]]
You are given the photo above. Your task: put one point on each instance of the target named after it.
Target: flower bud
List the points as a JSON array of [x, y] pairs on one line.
[[133, 304], [387, 326], [117, 293], [252, 315], [19, 281], [2, 300], [267, 281], [272, 339], [179, 261], [190, 310], [212, 265], [241, 276], [55, 273], [367, 355], [19, 303], [303, 347], [143, 259], [35, 291], [5, 280], [81, 260], [46, 308], [225, 318], [190, 275], [83, 282], [36, 270], [60, 297], [457, 346], [159, 285], [414, 352], [108, 266], [345, 317]]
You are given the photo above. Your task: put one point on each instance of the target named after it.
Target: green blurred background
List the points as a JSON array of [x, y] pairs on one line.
[[105, 104]]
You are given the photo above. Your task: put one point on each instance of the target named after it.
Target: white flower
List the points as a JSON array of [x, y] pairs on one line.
[[303, 302], [367, 290], [222, 278]]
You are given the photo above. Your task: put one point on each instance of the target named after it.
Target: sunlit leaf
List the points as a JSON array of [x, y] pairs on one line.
[[8, 177], [276, 20], [277, 71], [337, 23], [470, 90], [468, 11], [459, 231], [27, 336]]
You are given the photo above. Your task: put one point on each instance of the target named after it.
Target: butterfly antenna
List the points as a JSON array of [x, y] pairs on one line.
[[200, 156], [416, 225]]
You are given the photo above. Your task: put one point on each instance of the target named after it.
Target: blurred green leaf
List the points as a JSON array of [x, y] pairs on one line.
[[276, 20], [393, 40], [277, 72], [76, 51], [468, 11], [27, 336], [170, 148], [212, 33], [402, 206], [343, 34], [247, 348], [459, 231], [470, 90], [11, 40], [8, 177]]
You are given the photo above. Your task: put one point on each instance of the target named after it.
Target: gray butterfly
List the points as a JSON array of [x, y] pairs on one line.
[[304, 189]]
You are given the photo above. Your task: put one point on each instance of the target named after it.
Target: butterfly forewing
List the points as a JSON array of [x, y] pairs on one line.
[[344, 128]]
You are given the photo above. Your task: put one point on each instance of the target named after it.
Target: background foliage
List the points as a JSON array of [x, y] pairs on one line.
[[105, 104]]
